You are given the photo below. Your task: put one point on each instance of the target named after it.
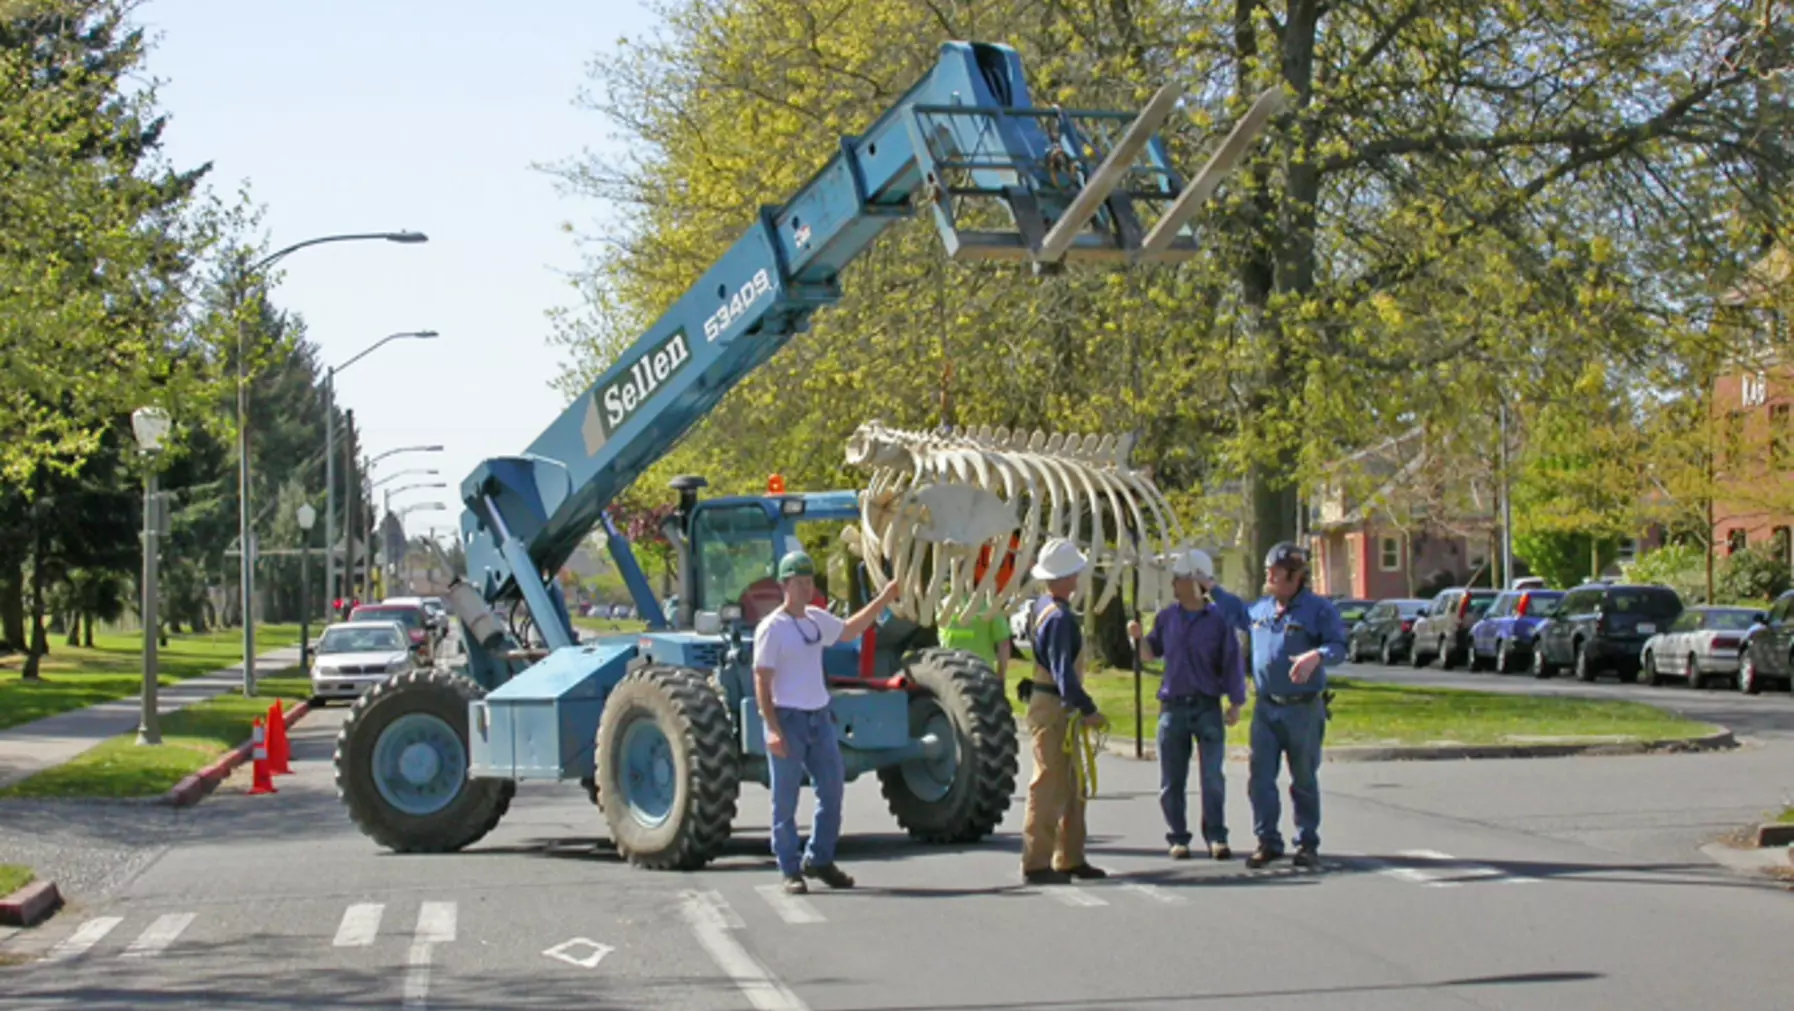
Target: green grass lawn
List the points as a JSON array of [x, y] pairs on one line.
[[1367, 713], [191, 737], [74, 677], [14, 877]]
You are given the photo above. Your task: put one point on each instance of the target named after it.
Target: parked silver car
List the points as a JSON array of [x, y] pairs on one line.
[[1704, 642], [1444, 630], [354, 656]]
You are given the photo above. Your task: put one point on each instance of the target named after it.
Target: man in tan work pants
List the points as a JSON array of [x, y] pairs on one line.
[[1053, 829]]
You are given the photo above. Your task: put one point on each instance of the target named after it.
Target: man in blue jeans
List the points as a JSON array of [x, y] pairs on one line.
[[1203, 663], [1296, 636], [793, 697]]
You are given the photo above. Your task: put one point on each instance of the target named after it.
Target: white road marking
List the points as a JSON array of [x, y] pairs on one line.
[[564, 952], [1451, 876], [711, 920], [1075, 897], [435, 925], [1155, 893], [361, 924], [791, 908], [159, 935], [85, 936]]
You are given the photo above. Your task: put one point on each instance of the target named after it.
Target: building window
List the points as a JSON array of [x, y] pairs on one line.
[[1390, 559], [1735, 540], [1627, 551]]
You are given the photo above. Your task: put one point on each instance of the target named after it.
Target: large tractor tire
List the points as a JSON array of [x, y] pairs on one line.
[[401, 766], [962, 795], [668, 771]]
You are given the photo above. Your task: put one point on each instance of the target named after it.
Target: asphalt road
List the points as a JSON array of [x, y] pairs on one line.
[[1546, 883]]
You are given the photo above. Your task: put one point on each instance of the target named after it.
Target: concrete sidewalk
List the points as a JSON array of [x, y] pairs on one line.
[[30, 748]]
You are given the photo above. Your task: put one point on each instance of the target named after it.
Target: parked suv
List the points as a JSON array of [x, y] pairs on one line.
[[1603, 626], [1385, 631], [1444, 631], [1503, 639]]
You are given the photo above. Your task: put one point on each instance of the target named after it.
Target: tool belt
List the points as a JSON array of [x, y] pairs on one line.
[[1292, 700], [1025, 689]]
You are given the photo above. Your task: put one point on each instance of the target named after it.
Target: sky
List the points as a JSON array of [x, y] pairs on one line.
[[384, 115]]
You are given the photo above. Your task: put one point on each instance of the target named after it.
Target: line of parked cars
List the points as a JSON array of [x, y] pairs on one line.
[[1629, 630], [374, 643]]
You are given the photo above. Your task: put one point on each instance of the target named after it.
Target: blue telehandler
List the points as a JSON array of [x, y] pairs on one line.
[[662, 727]]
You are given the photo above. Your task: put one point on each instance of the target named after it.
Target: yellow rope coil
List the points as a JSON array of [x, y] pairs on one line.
[[1082, 749]]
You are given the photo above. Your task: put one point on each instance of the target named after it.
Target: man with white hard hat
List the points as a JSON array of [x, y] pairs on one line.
[[1203, 664], [1053, 829]]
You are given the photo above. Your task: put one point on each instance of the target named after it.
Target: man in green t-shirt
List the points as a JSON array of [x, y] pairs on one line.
[[987, 637]]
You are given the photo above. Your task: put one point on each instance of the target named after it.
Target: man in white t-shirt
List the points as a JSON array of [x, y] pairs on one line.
[[792, 693]]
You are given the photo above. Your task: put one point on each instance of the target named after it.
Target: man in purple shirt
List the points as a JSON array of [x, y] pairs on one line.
[[1203, 663]]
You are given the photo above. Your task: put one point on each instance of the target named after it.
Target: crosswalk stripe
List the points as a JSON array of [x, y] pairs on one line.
[[790, 908], [361, 923], [85, 936], [1076, 897], [1451, 876], [1155, 893], [158, 935], [435, 923]]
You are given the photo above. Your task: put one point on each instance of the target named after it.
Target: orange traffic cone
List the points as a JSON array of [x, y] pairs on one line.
[[278, 752], [264, 783]]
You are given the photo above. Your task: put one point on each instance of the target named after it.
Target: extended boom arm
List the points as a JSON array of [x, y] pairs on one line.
[[1077, 186]]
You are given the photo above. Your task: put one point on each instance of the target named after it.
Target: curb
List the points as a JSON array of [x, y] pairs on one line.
[[197, 785], [30, 905], [1423, 753]]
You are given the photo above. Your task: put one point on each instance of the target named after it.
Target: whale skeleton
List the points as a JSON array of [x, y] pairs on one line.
[[938, 500]]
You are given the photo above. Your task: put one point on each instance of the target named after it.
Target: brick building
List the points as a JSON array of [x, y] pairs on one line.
[[1753, 415]]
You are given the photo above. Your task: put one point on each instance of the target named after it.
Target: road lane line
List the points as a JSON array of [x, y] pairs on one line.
[[159, 935], [710, 918], [435, 925], [85, 936], [361, 924], [790, 908]]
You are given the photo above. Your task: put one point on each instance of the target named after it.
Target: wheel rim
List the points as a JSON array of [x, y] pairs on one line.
[[930, 779], [649, 778], [419, 764]]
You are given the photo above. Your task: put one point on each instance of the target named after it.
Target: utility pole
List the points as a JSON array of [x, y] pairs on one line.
[[1507, 508], [349, 504], [330, 483]]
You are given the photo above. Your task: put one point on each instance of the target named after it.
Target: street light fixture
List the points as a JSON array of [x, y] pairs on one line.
[[247, 578], [307, 516], [150, 425], [425, 471], [330, 448], [404, 449]]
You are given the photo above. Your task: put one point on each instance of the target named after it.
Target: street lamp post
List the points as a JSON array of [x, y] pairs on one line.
[[307, 516], [392, 564], [330, 451], [150, 425], [246, 544]]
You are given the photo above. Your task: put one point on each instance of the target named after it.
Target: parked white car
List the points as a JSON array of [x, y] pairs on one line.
[[1703, 642], [354, 656]]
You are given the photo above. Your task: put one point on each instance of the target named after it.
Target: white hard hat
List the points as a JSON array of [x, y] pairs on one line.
[[1060, 558], [1194, 562]]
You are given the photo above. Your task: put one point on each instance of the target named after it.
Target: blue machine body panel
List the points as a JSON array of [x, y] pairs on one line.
[[543, 724]]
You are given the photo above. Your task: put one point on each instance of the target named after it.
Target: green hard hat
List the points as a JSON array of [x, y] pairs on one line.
[[796, 563]]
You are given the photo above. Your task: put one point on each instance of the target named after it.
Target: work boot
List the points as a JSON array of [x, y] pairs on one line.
[[1180, 852], [794, 885], [829, 874], [1046, 876], [1087, 872], [1261, 856], [1306, 856], [1219, 851]]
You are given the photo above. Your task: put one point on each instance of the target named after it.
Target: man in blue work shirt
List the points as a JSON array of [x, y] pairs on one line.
[[1296, 636], [1203, 663], [1053, 829]]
